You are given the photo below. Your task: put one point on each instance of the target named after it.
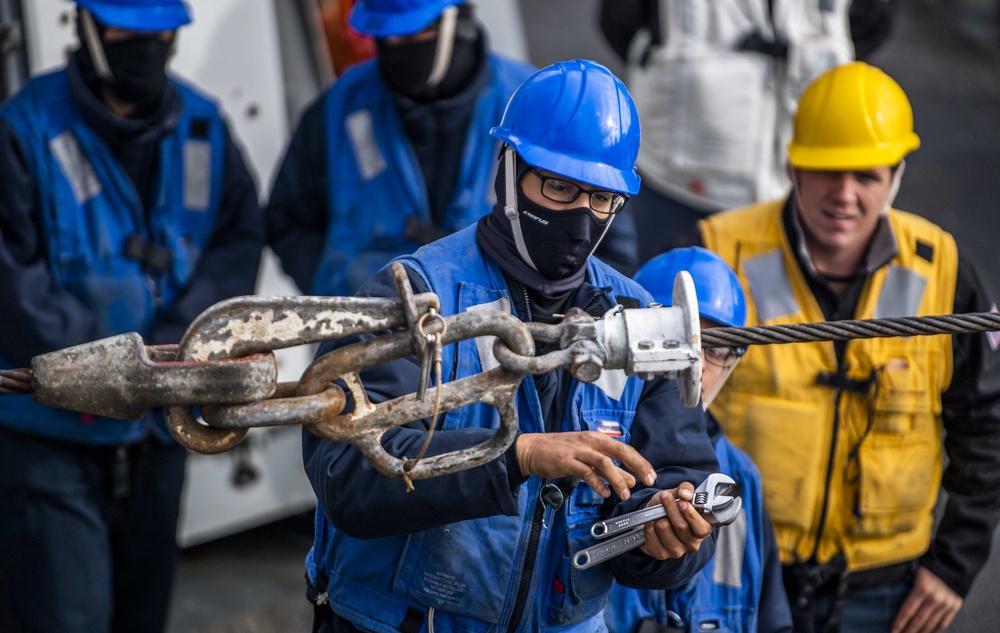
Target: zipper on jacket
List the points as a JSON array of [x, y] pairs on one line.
[[528, 569], [829, 469], [601, 292]]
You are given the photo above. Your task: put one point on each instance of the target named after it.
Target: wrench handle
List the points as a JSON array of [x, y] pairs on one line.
[[625, 522], [587, 558]]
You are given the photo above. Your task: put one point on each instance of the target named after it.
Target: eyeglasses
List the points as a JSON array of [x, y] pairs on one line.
[[724, 357], [558, 190]]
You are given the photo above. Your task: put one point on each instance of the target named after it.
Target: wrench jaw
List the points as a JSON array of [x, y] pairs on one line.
[[715, 501], [724, 513]]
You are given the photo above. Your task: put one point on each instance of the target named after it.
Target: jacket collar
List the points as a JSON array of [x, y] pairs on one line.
[[116, 130]]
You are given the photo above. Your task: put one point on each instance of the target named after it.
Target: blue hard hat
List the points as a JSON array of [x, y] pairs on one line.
[[720, 296], [139, 15], [386, 18], [577, 120]]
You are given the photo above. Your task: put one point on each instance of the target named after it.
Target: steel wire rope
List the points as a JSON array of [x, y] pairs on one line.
[[851, 329]]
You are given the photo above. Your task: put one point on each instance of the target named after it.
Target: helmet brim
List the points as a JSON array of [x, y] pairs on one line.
[[588, 172], [140, 18], [381, 25], [851, 158]]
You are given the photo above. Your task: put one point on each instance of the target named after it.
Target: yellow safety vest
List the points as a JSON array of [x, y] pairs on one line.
[[853, 469]]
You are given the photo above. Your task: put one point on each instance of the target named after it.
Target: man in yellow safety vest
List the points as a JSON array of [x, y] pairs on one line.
[[849, 435]]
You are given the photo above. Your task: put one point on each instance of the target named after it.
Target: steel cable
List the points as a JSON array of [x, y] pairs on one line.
[[851, 329]]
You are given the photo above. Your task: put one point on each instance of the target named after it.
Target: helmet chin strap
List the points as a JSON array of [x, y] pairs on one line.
[[510, 205], [445, 45], [95, 47], [607, 225], [897, 178]]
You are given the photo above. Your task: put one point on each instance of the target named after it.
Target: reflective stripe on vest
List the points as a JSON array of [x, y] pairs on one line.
[[771, 289], [729, 553], [75, 166], [197, 174], [361, 132], [484, 344], [902, 292]]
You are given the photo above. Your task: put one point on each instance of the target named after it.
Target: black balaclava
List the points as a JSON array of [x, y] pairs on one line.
[[134, 70], [545, 250], [437, 68]]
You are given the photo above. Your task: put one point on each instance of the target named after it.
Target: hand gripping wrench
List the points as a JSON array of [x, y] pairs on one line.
[[713, 499]]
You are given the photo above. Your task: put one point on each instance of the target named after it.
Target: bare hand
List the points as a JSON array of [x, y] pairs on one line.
[[15, 381], [930, 606], [681, 531], [588, 455]]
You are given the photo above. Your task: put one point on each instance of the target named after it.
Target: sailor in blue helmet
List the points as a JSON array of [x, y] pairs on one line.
[[397, 152], [480, 550], [124, 206], [741, 587]]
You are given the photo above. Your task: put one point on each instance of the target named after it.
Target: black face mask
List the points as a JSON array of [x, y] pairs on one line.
[[406, 67], [558, 242], [139, 70]]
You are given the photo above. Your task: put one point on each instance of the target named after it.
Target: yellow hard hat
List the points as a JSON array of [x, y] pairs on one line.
[[852, 117]]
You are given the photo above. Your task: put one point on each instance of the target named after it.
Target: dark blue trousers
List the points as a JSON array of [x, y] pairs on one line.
[[868, 610], [87, 534]]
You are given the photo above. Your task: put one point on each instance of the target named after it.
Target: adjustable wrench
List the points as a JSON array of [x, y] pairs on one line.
[[713, 499]]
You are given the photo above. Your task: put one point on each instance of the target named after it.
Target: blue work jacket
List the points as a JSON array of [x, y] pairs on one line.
[[90, 209], [375, 184], [738, 591], [470, 572]]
